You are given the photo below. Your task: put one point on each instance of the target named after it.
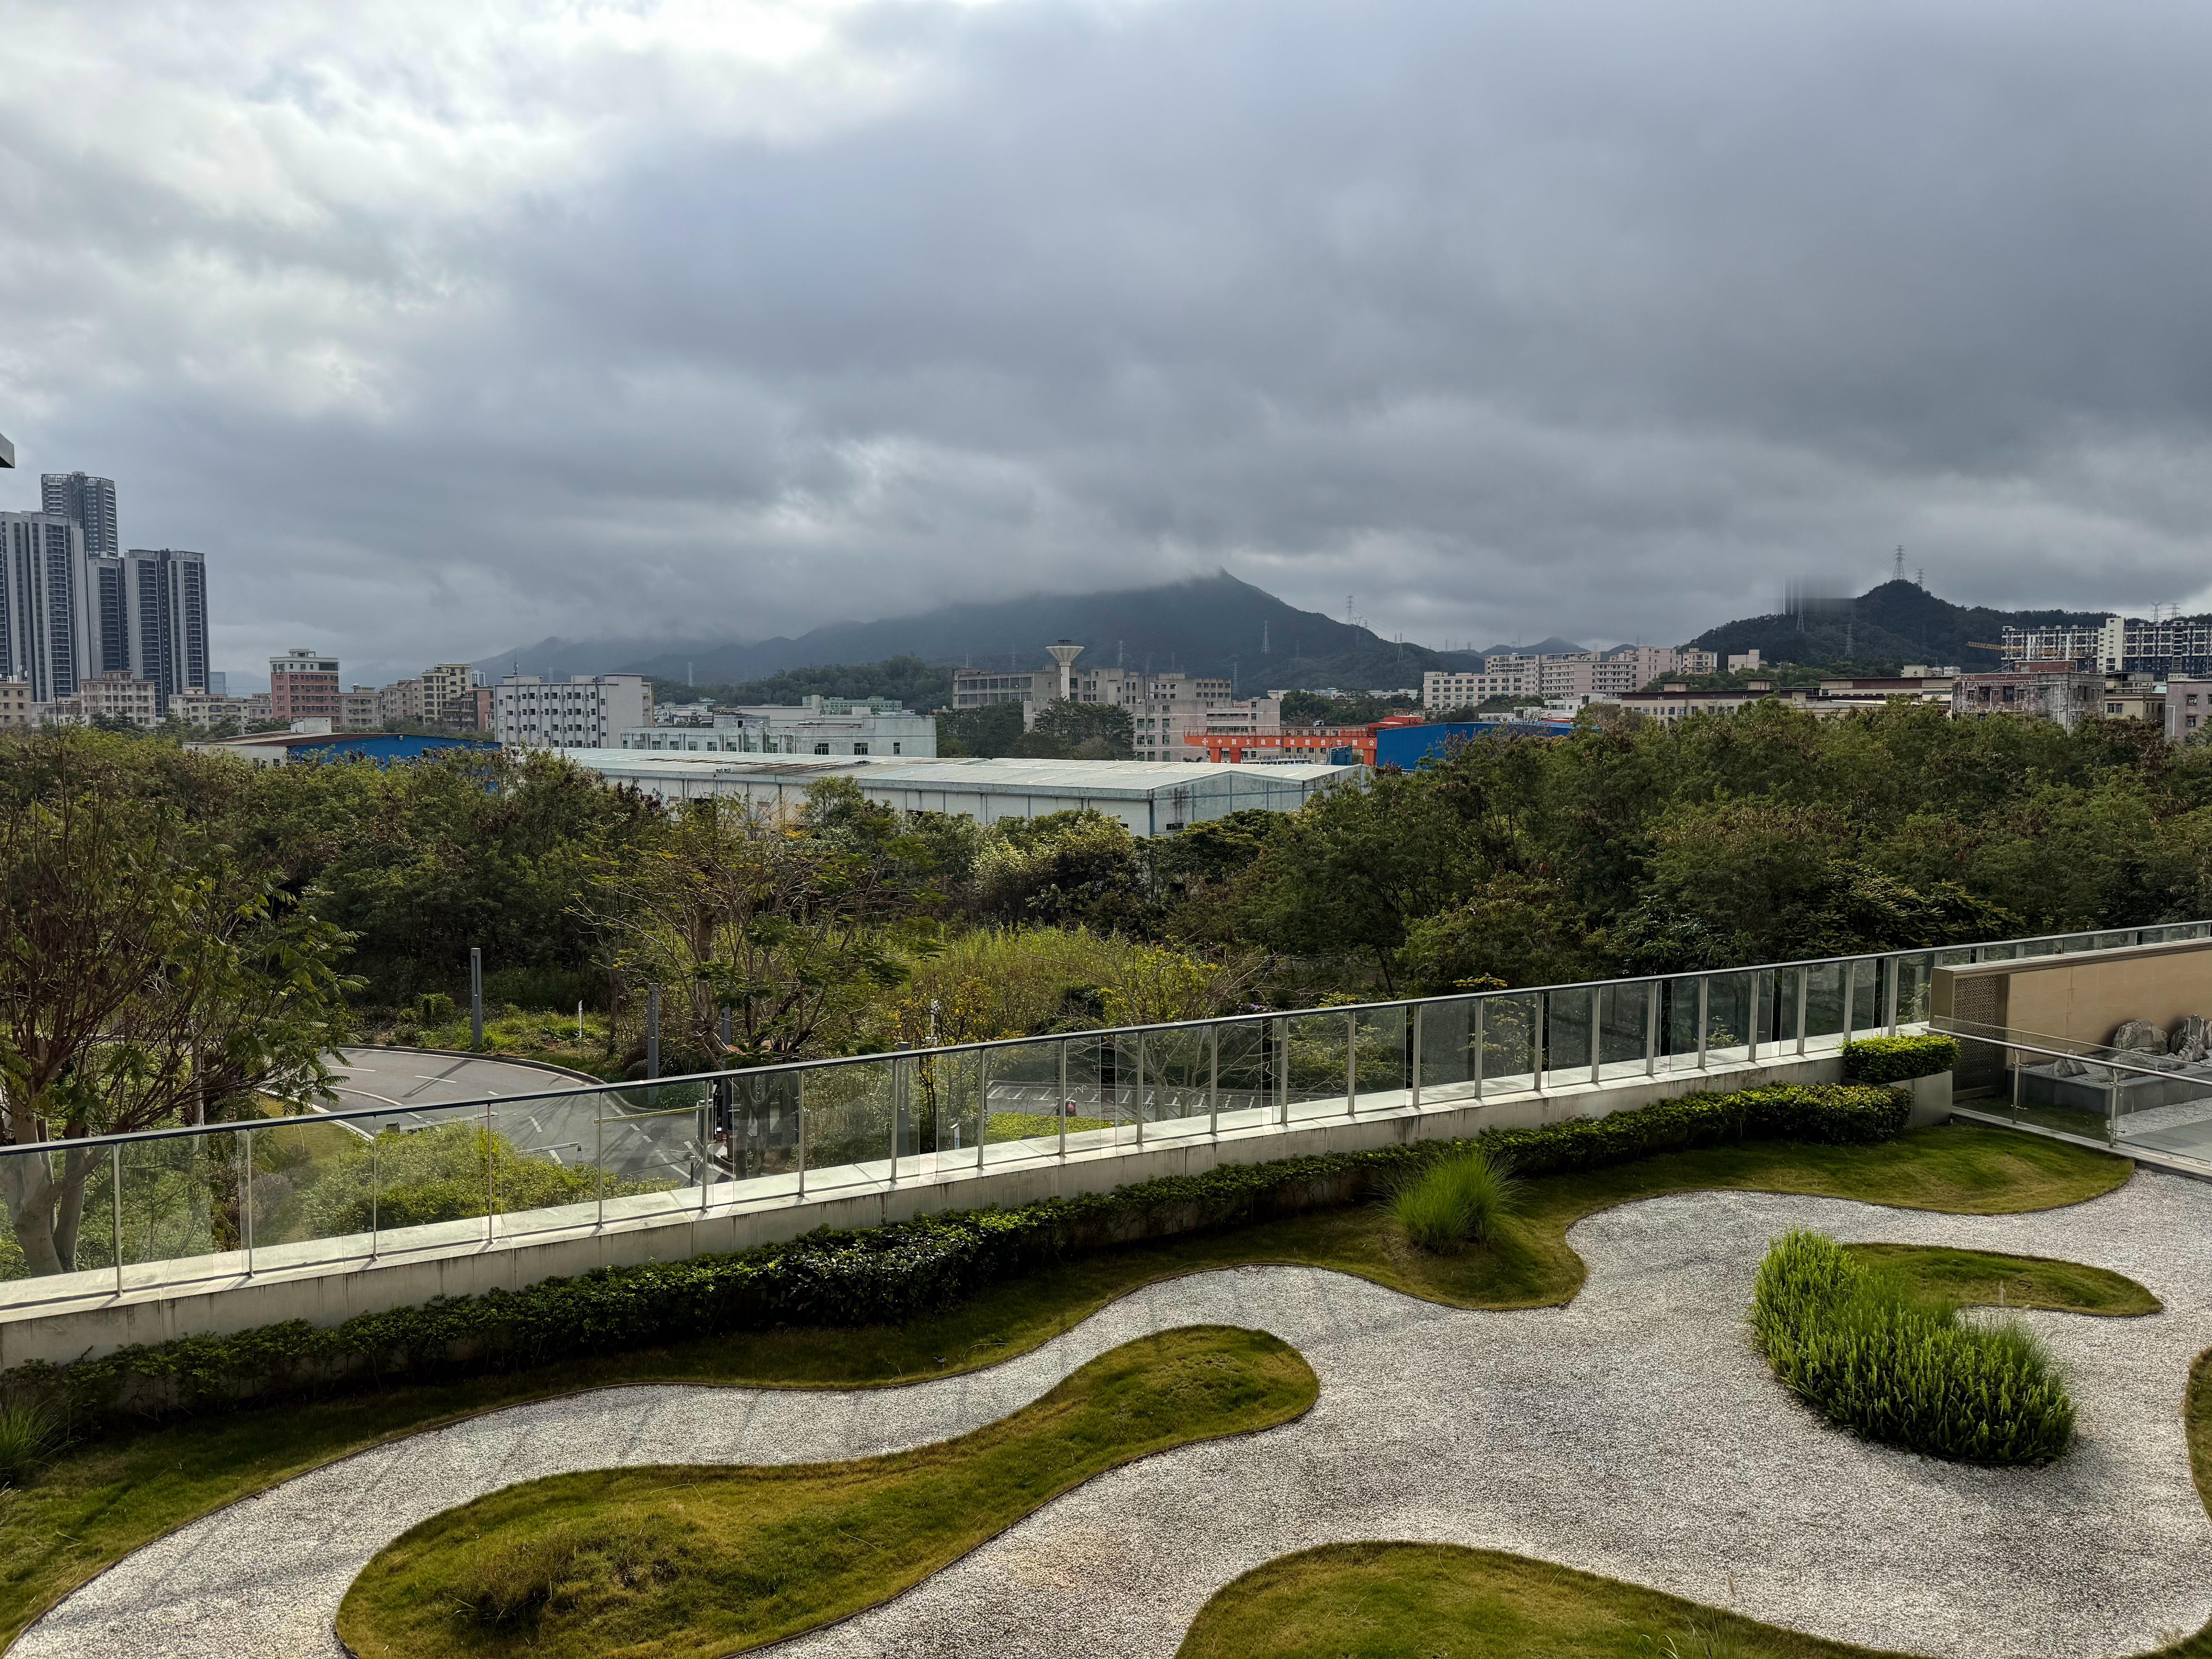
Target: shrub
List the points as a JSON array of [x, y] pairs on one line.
[[1898, 1059], [1865, 1351], [1455, 1200], [28, 1431], [881, 1275]]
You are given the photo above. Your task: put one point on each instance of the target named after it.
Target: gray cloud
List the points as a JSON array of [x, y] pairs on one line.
[[1585, 318]]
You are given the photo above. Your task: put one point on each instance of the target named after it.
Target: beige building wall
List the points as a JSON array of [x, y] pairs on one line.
[[2081, 998]]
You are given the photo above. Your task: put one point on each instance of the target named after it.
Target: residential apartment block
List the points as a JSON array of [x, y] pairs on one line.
[[117, 696], [210, 708], [14, 702], [87, 501], [2167, 647], [1578, 674], [45, 615], [303, 686], [586, 712]]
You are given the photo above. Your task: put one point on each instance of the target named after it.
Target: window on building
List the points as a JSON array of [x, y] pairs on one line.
[[895, 747], [821, 748], [859, 749]]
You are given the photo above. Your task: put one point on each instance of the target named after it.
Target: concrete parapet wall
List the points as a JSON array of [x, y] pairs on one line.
[[329, 1292]]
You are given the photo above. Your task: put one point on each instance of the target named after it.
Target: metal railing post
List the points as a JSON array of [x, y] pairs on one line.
[[1213, 1082], [600, 1152], [898, 1109], [246, 1136], [982, 1103], [476, 999], [1804, 979], [1413, 1074], [491, 1178], [1751, 1022], [652, 1033], [1538, 1050], [707, 1142], [1283, 1069], [1597, 1039], [2112, 1108], [1140, 1088], [1653, 991], [1896, 967], [114, 1204], [1704, 1024], [1351, 1064], [1482, 1008], [801, 1109], [2013, 1056], [1851, 999], [375, 1192], [1066, 1100]]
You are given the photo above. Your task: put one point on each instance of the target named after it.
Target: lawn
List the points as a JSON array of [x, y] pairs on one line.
[[690, 1563], [100, 1500]]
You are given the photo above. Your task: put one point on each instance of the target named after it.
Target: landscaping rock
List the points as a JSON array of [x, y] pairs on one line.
[[2140, 1033], [2192, 1038]]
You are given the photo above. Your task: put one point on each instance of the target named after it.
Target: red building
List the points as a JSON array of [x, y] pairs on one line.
[[302, 685], [1304, 742]]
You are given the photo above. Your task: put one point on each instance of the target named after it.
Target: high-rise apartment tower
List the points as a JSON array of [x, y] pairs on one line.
[[90, 501]]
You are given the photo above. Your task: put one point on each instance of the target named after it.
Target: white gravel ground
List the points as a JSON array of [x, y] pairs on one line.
[[1632, 1433]]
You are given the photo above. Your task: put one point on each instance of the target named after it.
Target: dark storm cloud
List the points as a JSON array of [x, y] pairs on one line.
[[1600, 319]]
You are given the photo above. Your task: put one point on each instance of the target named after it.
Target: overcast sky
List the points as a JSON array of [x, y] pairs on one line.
[[440, 328]]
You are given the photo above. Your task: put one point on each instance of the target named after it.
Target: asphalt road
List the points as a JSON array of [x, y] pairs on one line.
[[566, 1128]]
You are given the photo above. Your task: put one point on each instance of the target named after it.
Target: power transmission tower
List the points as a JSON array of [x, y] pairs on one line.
[[1896, 566]]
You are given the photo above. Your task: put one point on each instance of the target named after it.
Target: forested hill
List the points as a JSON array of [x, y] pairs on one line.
[[1214, 625], [1897, 622]]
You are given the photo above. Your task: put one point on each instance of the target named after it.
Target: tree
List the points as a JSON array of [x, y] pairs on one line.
[[1088, 731], [149, 974], [736, 909], [1063, 869]]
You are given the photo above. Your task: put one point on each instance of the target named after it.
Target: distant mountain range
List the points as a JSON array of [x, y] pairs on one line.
[[1218, 626], [1211, 625], [1896, 624]]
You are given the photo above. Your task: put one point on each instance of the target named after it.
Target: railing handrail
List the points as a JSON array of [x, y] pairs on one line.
[[1094, 1034]]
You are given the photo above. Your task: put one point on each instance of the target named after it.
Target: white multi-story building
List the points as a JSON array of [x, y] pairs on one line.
[[2172, 647], [588, 712], [874, 729], [1163, 708], [1583, 674], [14, 702], [207, 708]]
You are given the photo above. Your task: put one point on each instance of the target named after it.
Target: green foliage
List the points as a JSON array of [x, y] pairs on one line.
[[411, 1180], [1866, 1351], [29, 1430], [885, 1274], [1455, 1201], [1898, 1059], [989, 732], [1061, 870], [1086, 731], [1311, 708], [907, 680]]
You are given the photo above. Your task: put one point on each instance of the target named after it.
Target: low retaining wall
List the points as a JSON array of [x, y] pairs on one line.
[[331, 1293]]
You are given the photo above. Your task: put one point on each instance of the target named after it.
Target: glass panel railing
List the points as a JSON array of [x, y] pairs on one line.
[[182, 1203], [1319, 1047], [1509, 1048], [1379, 1072], [1025, 1106], [1248, 1073], [849, 1112], [1449, 1057]]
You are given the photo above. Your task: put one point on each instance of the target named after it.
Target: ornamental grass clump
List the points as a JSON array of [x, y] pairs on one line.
[[1863, 1349], [1457, 1200], [28, 1431]]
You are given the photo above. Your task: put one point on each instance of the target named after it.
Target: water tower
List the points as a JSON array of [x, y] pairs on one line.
[[1065, 655]]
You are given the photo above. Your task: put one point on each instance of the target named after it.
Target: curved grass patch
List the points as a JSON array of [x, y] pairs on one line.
[[685, 1562], [1441, 1601], [82, 1511], [1988, 1278]]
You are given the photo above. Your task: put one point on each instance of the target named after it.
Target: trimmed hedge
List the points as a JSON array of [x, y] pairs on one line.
[[880, 1275], [1898, 1059]]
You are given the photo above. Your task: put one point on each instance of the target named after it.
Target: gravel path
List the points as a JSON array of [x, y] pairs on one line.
[[1632, 1434]]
